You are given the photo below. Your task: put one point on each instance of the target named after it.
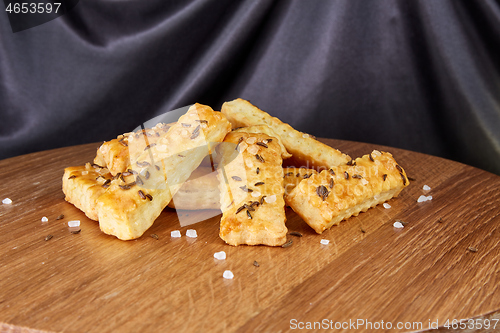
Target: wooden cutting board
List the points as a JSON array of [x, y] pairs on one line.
[[442, 265]]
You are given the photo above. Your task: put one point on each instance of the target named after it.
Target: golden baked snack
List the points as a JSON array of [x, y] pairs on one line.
[[200, 191], [335, 194], [251, 187], [133, 199], [306, 151], [293, 176], [265, 130], [82, 185]]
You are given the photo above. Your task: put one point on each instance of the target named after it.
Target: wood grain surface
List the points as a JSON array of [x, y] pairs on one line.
[[442, 265]]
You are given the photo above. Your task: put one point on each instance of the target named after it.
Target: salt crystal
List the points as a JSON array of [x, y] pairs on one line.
[[426, 188], [324, 241], [253, 149], [305, 136], [398, 225], [422, 198], [429, 198], [45, 219], [386, 205], [228, 275], [364, 181], [270, 199], [7, 201], [251, 140], [191, 233], [256, 194], [74, 223], [220, 255], [175, 234]]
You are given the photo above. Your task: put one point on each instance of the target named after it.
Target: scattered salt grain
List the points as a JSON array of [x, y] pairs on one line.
[[364, 181], [256, 194], [305, 136], [426, 188], [253, 149], [324, 241], [191, 233], [74, 223], [220, 255], [386, 205], [175, 234], [398, 225], [270, 199], [45, 219], [7, 201], [228, 275], [424, 198]]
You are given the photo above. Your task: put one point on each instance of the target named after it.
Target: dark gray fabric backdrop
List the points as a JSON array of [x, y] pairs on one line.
[[420, 75]]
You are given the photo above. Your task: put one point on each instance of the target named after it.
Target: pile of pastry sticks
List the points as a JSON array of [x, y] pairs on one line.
[[135, 176]]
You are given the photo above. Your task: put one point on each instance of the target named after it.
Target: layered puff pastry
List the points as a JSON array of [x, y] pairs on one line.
[[251, 187], [82, 185], [133, 199], [305, 149], [327, 198], [118, 154]]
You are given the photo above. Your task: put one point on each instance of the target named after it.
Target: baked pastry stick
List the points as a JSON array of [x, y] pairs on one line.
[[134, 200], [118, 154], [333, 195], [251, 187], [305, 150]]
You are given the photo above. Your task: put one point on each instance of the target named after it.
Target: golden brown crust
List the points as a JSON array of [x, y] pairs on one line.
[[327, 198], [251, 185], [264, 129], [306, 151]]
